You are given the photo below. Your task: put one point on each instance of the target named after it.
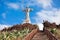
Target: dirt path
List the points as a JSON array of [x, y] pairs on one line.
[[40, 36]]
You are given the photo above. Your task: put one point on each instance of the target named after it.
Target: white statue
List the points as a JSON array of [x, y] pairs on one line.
[[27, 10]]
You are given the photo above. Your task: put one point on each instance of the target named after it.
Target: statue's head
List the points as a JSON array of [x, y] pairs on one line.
[[28, 9]]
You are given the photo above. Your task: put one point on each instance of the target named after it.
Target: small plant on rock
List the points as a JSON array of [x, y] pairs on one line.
[[53, 30]]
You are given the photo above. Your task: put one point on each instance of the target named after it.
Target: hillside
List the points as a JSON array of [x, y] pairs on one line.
[[29, 31]]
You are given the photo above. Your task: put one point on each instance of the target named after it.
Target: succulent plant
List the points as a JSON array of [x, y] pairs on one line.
[[53, 30], [14, 35]]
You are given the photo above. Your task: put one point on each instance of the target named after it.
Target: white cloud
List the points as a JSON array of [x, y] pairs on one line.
[[4, 15], [50, 15], [40, 26], [13, 5], [4, 26], [48, 12], [42, 3]]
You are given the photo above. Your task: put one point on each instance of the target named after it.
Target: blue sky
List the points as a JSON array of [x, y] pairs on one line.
[[11, 11]]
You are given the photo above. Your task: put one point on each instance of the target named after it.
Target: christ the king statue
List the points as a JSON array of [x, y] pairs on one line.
[[27, 10]]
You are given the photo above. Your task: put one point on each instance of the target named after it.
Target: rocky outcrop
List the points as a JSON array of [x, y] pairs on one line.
[[52, 25], [20, 27]]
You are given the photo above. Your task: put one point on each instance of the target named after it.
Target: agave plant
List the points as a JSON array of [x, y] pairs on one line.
[[53, 30], [14, 35]]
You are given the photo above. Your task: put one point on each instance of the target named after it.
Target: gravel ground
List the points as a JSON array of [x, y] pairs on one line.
[[40, 36]]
